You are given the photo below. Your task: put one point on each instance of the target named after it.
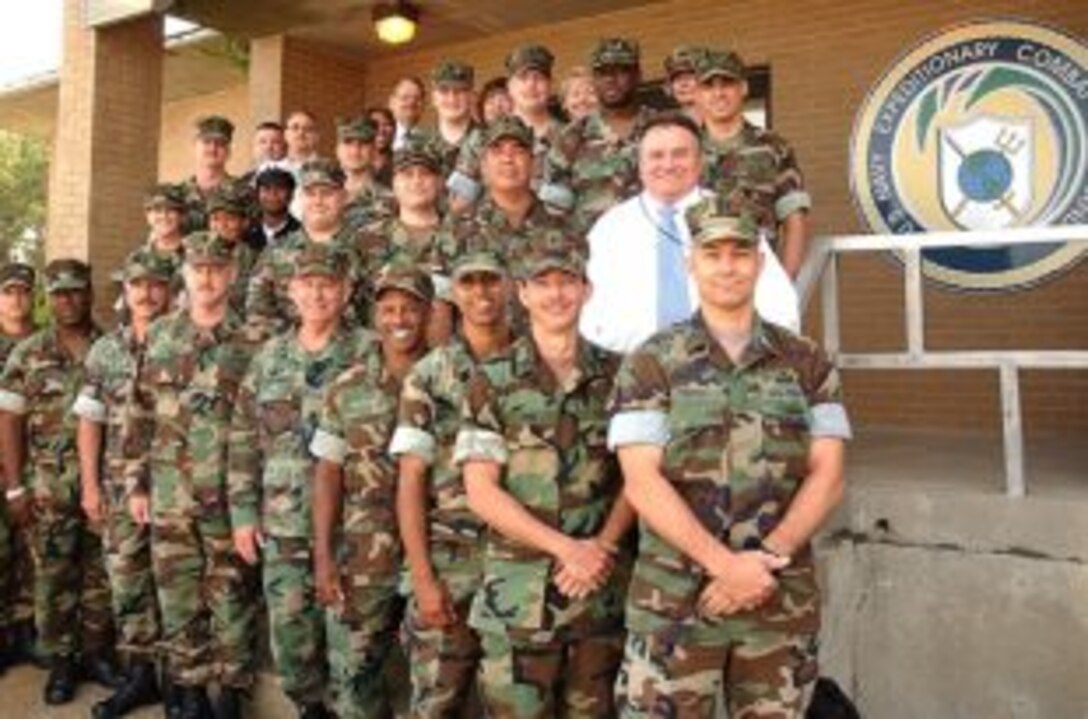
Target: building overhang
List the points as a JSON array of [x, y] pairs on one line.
[[199, 62]]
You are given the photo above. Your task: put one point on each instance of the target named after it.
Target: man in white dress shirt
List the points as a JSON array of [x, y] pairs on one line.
[[638, 249], [406, 104]]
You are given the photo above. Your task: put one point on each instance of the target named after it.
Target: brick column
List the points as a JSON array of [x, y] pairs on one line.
[[266, 57], [286, 74], [105, 152]]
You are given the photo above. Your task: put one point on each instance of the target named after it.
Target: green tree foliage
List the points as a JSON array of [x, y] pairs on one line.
[[24, 172]]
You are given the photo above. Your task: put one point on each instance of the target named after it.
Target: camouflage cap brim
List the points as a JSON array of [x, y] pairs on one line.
[[63, 283], [479, 262], [723, 229], [17, 274], [711, 73], [571, 264], [8, 281], [404, 286], [142, 272]]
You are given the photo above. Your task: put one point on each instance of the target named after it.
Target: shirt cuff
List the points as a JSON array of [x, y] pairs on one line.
[[243, 516], [464, 186], [556, 195], [12, 402], [90, 409], [328, 447], [829, 420], [413, 441], [643, 426], [480, 444], [791, 202], [443, 287]]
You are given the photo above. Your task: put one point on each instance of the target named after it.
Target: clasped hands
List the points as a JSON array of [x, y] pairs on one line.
[[584, 565], [741, 582]]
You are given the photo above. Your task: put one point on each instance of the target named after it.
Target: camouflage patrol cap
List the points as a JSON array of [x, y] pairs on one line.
[[320, 172], [453, 73], [215, 127], [615, 51], [320, 258], [479, 261], [207, 248], [67, 274], [406, 277], [719, 63], [509, 126], [166, 195], [547, 256], [145, 263], [417, 151], [712, 219], [362, 129], [681, 60], [229, 198], [17, 273], [530, 57]]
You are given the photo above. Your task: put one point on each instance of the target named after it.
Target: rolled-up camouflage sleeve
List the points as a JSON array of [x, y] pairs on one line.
[[481, 435], [90, 403], [244, 453], [464, 181], [639, 405], [790, 193], [415, 416], [329, 441], [13, 391], [823, 390]]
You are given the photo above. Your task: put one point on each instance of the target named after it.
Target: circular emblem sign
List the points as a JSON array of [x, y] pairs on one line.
[[981, 127]]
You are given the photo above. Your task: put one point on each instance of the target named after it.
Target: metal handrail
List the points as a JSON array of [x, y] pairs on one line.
[[821, 272]]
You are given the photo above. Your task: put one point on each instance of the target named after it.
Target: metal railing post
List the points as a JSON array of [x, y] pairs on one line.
[[1012, 430], [915, 305], [829, 306]]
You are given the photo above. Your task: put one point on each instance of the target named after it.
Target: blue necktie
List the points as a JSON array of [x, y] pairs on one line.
[[673, 304]]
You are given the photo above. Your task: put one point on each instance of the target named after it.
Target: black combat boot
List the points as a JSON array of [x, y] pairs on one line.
[[24, 638], [171, 694], [313, 711], [229, 703], [140, 689], [60, 687], [194, 703], [101, 668], [8, 653]]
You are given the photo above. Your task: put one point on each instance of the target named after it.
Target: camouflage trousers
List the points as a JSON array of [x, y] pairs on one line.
[[206, 599], [444, 661], [525, 677], [132, 583], [296, 622], [362, 636], [763, 674], [71, 591], [16, 573]]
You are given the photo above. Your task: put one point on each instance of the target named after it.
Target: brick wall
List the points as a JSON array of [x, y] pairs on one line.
[[176, 153], [325, 83]]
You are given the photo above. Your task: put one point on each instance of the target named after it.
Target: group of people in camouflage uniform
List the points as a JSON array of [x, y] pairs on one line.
[[380, 429]]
